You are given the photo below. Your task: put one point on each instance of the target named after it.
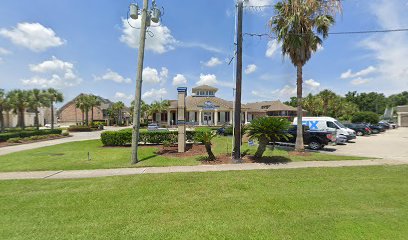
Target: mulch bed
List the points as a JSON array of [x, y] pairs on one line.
[[6, 144], [192, 150]]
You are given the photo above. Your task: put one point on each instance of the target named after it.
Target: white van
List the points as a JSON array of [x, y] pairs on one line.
[[327, 124]]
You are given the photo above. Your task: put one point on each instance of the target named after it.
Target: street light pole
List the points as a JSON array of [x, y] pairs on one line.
[[139, 80]]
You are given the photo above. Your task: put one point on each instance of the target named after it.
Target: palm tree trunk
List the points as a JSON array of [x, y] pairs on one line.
[[87, 117], [52, 114], [22, 119], [261, 148], [299, 139], [1, 120], [36, 120], [211, 156], [92, 115], [83, 115]]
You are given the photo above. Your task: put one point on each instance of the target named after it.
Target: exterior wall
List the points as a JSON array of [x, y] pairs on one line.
[[11, 119], [71, 114], [403, 119]]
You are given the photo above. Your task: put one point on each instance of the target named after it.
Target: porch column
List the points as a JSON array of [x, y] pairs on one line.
[[216, 117], [230, 117], [168, 118], [246, 116], [199, 117]]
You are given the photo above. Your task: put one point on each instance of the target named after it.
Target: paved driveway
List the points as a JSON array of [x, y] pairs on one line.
[[80, 136], [392, 145]]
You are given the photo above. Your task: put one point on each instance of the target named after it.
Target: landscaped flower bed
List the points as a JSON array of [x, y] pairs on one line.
[[26, 133]]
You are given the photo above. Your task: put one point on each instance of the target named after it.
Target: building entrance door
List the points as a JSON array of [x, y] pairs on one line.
[[208, 118]]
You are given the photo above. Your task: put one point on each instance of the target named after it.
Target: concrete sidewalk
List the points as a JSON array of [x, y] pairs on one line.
[[76, 174]]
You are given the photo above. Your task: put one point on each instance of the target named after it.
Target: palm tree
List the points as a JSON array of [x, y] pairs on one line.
[[159, 106], [295, 24], [19, 102], [327, 97], [94, 101], [205, 137], [37, 99], [144, 110], [267, 130], [117, 111], [3, 107], [80, 103], [54, 96]]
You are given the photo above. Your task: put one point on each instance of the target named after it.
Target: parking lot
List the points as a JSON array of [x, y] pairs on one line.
[[393, 144]]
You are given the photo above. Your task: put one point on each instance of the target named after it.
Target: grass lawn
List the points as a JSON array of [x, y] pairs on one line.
[[336, 203], [73, 156]]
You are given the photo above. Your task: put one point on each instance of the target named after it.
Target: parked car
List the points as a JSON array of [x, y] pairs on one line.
[[375, 129], [48, 125], [385, 125], [360, 129], [152, 127], [327, 124], [316, 140], [341, 139]]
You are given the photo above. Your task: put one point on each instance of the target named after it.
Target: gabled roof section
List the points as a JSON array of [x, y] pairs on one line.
[[205, 87], [269, 106], [105, 103]]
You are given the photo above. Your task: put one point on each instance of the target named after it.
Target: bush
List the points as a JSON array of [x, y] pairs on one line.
[[65, 134], [124, 137], [14, 140], [25, 134], [79, 129], [366, 117]]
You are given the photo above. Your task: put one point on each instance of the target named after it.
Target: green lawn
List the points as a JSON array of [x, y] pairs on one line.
[[336, 203], [72, 156]]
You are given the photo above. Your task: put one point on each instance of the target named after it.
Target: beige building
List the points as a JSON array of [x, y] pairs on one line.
[[402, 112], [204, 108], [11, 119]]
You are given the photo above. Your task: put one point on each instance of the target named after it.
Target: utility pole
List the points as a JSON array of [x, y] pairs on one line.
[[138, 95], [237, 114]]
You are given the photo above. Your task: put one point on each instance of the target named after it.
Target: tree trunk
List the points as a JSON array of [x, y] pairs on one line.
[[300, 147], [36, 120], [211, 156], [1, 120], [263, 142], [87, 117], [22, 119], [52, 115], [83, 116], [92, 116]]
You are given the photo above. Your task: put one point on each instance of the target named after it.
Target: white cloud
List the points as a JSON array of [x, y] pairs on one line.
[[208, 79], [250, 69], [362, 73], [203, 46], [155, 94], [271, 49], [360, 81], [113, 76], [258, 2], [4, 51], [33, 36], [312, 84], [124, 96], [179, 79], [152, 75], [213, 62], [162, 41], [55, 73]]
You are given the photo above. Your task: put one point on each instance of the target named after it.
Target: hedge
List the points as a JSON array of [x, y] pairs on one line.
[[124, 137], [24, 134], [79, 129], [367, 117]]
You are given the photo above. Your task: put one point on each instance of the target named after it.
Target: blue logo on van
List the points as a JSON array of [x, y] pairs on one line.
[[311, 124]]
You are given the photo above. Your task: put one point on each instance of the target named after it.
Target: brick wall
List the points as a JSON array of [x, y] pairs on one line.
[[72, 114]]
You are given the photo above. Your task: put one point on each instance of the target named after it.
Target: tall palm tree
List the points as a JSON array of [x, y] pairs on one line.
[[3, 107], [144, 109], [80, 104], [94, 101], [54, 96], [37, 99], [327, 97], [159, 107], [19, 102], [294, 24], [83, 102], [117, 109]]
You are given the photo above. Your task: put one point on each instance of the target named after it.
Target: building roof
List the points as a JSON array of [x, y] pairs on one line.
[[205, 87], [269, 106], [401, 109], [105, 103]]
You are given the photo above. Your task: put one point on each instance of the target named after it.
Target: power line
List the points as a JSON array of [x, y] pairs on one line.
[[334, 33]]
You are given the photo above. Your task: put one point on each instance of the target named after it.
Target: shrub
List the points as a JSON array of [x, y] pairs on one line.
[[25, 134], [34, 138], [79, 129], [367, 117], [124, 137], [65, 134], [14, 140], [205, 137]]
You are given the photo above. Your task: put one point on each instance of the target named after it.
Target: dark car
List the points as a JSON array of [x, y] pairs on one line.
[[385, 125], [360, 129], [375, 129], [316, 140]]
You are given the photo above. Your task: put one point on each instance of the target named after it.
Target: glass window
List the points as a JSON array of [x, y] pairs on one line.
[[331, 125], [339, 124]]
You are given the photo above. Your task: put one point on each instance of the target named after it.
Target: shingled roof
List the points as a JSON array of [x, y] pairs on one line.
[[400, 109], [269, 106]]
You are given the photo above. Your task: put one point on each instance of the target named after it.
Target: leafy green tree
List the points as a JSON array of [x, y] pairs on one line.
[[144, 110], [327, 98], [53, 96], [116, 111], [159, 107], [205, 137], [19, 102], [367, 117], [398, 99], [299, 26], [267, 130], [4, 106]]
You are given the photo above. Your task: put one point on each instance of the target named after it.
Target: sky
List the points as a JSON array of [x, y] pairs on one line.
[[89, 46]]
